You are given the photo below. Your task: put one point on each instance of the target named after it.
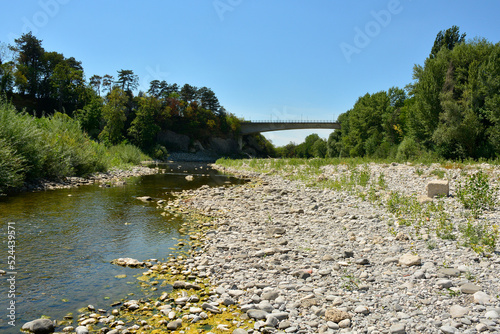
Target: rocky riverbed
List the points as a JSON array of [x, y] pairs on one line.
[[283, 254], [308, 260]]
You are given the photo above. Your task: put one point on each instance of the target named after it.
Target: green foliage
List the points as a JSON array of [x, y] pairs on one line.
[[479, 236], [409, 149], [476, 194], [125, 154], [11, 167], [447, 38], [143, 129], [52, 147], [114, 117]]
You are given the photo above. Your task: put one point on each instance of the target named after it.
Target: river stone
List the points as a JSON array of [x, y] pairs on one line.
[[240, 331], [448, 330], [192, 286], [281, 315], [173, 325], [409, 260], [126, 261], [145, 198], [449, 272], [271, 320], [481, 297], [362, 310], [491, 315], [270, 295], [179, 285], [336, 315], [444, 283], [398, 328], [469, 288], [481, 327], [265, 306], [457, 311], [40, 326], [195, 310], [257, 314], [346, 323], [81, 330]]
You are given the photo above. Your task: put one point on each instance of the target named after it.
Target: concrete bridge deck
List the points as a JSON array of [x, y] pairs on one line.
[[249, 127]]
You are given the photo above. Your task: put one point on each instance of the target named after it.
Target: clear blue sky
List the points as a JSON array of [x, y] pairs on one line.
[[280, 59]]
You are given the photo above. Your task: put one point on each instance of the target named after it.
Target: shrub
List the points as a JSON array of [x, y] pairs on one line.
[[476, 194], [408, 149], [125, 154], [11, 167]]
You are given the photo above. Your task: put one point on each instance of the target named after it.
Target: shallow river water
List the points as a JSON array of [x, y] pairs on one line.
[[65, 240]]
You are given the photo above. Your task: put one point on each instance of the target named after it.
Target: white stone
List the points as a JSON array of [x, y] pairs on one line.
[[457, 311], [410, 260], [491, 315], [481, 297]]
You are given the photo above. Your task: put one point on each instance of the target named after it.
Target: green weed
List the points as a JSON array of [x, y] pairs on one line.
[[476, 194]]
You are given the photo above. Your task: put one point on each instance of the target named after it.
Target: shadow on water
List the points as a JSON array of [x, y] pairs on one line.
[[65, 240]]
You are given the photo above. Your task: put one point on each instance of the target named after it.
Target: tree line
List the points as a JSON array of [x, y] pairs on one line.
[[42, 82], [451, 110]]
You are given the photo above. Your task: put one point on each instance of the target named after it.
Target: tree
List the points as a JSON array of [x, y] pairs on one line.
[[154, 88], [165, 89], [90, 116], [95, 83], [7, 67], [447, 38], [127, 80], [188, 93], [490, 83], [208, 100], [67, 80], [29, 64], [319, 148], [144, 129], [114, 117], [107, 82]]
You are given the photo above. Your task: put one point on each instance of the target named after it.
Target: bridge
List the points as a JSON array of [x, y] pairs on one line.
[[249, 127]]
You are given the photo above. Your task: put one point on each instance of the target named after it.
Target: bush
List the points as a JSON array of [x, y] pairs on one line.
[[476, 194], [125, 154], [22, 134], [408, 149], [52, 147], [11, 167], [71, 151]]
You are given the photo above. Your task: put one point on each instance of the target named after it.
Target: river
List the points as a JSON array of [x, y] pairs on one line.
[[65, 240]]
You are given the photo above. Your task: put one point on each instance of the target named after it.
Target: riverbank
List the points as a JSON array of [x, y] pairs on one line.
[[113, 177], [293, 251]]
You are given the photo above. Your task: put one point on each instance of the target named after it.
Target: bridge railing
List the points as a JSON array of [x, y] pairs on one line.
[[295, 121]]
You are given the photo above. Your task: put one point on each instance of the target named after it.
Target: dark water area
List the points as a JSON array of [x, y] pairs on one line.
[[65, 240]]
